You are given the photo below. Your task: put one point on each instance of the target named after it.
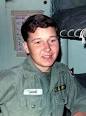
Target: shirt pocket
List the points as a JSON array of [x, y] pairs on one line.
[[58, 98], [33, 102], [57, 103]]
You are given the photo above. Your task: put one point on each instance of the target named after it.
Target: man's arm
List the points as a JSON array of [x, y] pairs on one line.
[[80, 114], [76, 100]]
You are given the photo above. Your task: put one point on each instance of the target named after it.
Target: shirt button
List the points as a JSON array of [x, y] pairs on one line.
[[33, 106]]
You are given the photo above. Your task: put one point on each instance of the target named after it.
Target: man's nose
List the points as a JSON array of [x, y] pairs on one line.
[[47, 46]]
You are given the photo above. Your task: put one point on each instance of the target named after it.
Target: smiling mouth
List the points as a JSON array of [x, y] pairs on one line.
[[47, 56]]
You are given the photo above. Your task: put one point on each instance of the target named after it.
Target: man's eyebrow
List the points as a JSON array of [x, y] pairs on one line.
[[33, 39], [53, 36], [39, 38]]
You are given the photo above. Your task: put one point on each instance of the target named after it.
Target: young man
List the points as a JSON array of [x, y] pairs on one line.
[[40, 86]]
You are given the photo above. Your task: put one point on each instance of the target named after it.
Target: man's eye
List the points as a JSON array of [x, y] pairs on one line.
[[53, 40], [37, 42]]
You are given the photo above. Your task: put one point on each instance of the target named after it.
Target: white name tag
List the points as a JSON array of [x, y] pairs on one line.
[[33, 92]]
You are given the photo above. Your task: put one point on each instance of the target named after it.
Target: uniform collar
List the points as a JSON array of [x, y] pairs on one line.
[[30, 68]]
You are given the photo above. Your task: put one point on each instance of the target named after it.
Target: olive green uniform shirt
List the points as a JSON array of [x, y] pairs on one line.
[[26, 91]]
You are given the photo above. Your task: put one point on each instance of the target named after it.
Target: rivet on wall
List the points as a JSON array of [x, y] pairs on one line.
[[45, 1]]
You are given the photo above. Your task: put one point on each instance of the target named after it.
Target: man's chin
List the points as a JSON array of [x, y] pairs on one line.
[[47, 64]]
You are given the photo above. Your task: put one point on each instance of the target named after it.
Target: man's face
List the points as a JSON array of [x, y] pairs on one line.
[[43, 47]]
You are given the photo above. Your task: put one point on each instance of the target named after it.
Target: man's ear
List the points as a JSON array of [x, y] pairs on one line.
[[25, 46]]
